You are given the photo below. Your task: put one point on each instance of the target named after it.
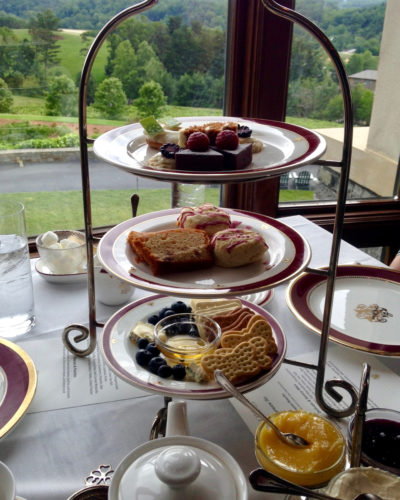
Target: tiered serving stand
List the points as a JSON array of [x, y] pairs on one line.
[[104, 149]]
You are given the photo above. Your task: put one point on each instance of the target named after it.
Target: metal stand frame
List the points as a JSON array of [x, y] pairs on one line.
[[344, 164]]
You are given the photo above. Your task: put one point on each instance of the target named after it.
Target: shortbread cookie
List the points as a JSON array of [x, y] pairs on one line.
[[240, 323], [262, 352], [238, 364], [259, 328]]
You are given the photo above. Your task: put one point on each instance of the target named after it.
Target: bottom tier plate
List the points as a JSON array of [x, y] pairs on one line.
[[119, 353]]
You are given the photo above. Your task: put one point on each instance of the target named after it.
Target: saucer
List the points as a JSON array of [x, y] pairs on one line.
[[45, 273]]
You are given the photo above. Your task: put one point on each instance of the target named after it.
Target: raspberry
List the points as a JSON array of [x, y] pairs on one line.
[[227, 139], [198, 141]]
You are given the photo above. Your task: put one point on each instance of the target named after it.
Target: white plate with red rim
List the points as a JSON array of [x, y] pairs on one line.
[[286, 147], [119, 352], [288, 254], [18, 381], [365, 312]]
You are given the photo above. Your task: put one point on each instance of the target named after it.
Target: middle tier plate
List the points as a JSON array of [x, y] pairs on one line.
[[119, 353], [289, 254]]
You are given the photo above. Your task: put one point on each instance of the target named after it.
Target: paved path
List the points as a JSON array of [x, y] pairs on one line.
[[66, 176]]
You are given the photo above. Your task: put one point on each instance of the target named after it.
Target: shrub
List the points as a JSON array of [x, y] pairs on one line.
[[6, 98], [152, 99], [62, 97], [110, 98]]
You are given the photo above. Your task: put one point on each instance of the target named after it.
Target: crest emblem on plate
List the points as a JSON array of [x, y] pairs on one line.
[[373, 313]]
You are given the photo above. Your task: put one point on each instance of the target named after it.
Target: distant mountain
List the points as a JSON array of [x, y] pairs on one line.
[[93, 14]]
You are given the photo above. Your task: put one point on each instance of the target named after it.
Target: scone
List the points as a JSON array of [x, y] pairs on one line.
[[207, 217], [238, 247]]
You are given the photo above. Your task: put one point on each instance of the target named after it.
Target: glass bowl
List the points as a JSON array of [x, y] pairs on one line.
[[351, 482], [62, 251], [381, 439], [186, 337], [312, 466]]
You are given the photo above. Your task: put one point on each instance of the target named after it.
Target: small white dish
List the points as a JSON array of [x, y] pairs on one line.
[[110, 290], [45, 273]]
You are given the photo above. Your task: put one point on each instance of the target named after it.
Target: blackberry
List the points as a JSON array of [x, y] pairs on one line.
[[244, 131], [169, 149]]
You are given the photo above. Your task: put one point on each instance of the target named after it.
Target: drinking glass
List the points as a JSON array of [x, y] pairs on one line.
[[16, 291]]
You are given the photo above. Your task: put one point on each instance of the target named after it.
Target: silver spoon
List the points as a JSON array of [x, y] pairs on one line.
[[262, 480], [286, 437]]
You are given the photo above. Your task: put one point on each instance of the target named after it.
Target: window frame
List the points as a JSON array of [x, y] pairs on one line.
[[257, 82]]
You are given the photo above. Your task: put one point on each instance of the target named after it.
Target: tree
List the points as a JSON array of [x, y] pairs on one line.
[[6, 98], [42, 29], [110, 98], [151, 100], [126, 69], [61, 99]]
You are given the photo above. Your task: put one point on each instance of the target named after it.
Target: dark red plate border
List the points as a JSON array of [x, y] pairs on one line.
[[301, 287]]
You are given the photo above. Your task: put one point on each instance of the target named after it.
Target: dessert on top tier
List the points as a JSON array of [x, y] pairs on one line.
[[207, 217], [236, 247]]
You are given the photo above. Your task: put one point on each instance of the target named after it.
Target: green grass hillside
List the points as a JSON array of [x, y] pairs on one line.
[[70, 54]]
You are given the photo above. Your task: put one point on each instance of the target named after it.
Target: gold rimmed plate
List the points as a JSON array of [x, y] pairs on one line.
[[365, 311], [18, 381]]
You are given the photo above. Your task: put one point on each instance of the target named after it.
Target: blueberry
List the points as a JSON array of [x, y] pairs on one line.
[[152, 348], [193, 332], [142, 343], [179, 307], [153, 319], [164, 371], [162, 311], [155, 364], [143, 357], [171, 331], [166, 312], [179, 372]]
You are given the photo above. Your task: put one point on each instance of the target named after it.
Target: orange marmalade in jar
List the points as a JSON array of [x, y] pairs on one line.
[[313, 465]]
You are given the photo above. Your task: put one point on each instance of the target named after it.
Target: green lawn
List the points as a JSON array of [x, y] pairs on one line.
[[53, 210], [71, 56]]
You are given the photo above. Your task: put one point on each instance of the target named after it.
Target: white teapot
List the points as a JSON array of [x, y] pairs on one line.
[[178, 467]]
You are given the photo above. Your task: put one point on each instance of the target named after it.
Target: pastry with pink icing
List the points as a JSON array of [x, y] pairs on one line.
[[207, 217], [236, 247]]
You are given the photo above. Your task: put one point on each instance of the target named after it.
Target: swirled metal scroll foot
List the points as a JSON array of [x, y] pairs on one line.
[[85, 333]]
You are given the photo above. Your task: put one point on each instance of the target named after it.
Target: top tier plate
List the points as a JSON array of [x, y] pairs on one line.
[[286, 147]]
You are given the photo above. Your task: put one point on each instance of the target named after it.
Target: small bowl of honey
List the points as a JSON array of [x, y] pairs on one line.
[[186, 337], [311, 466]]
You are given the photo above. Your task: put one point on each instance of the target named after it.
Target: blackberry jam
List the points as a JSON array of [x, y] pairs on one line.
[[381, 442]]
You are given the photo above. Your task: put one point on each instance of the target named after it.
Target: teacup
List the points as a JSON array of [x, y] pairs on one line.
[[7, 484], [110, 290]]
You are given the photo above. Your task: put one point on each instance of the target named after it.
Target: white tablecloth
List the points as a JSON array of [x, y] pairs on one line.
[[51, 451]]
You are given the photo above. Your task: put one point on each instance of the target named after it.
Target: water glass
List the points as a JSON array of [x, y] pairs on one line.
[[16, 291]]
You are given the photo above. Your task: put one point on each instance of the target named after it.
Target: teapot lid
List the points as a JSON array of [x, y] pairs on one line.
[[177, 468]]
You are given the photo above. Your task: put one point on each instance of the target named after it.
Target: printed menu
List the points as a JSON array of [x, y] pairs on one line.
[[293, 387]]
